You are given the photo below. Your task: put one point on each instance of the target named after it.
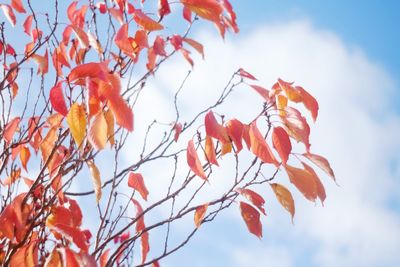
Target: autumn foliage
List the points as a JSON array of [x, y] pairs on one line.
[[68, 97]]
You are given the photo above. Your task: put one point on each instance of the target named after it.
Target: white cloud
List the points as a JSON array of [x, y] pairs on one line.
[[360, 223]]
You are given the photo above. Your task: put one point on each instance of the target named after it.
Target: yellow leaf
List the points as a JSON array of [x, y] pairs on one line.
[[98, 131], [284, 197], [76, 120], [94, 172]]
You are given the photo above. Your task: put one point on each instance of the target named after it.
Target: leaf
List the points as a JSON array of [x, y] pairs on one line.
[[57, 99], [207, 9], [144, 244], [210, 151], [43, 63], [91, 70], [199, 214], [309, 102], [252, 219], [297, 126], [28, 24], [163, 8], [9, 13], [122, 112], [18, 6], [73, 234], [253, 197], [10, 128], [110, 126], [76, 120], [104, 258], [247, 75], [235, 131], [82, 37], [214, 129], [281, 143], [304, 182], [186, 55], [24, 156], [95, 174], [196, 45], [146, 22], [321, 162], [262, 92], [291, 92], [194, 162], [284, 197], [320, 187], [259, 146], [136, 182], [98, 131], [94, 42], [187, 14], [178, 130]]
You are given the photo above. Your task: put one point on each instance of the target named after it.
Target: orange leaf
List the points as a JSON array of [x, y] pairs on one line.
[[146, 22], [136, 181], [214, 129], [284, 197], [304, 181], [18, 6], [235, 131], [253, 197], [291, 92], [251, 217], [43, 62], [321, 162], [320, 187], [196, 45], [104, 258], [24, 156], [82, 37], [144, 244], [9, 13], [297, 126], [10, 128], [193, 161], [95, 174], [122, 112], [281, 143], [98, 131], [199, 214], [57, 99], [210, 151], [74, 234], [247, 75], [110, 126], [207, 9], [92, 70], [259, 146]]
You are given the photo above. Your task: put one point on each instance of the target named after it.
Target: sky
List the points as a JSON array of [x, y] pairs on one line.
[[346, 54]]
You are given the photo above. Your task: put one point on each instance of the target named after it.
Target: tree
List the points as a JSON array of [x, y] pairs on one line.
[[77, 109]]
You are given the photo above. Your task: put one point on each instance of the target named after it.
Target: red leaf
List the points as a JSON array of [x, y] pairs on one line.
[[74, 234], [281, 143], [199, 214], [136, 181], [18, 6], [247, 75], [253, 197], [102, 7], [304, 181], [262, 91], [163, 8], [28, 24], [146, 22], [187, 14], [186, 55], [296, 126], [235, 131], [92, 70], [9, 13], [207, 9], [193, 161], [104, 258], [178, 130], [252, 219], [210, 151], [122, 112], [260, 147], [196, 45], [10, 129], [309, 102], [57, 99], [214, 129], [159, 46], [321, 162], [82, 37], [176, 41]]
